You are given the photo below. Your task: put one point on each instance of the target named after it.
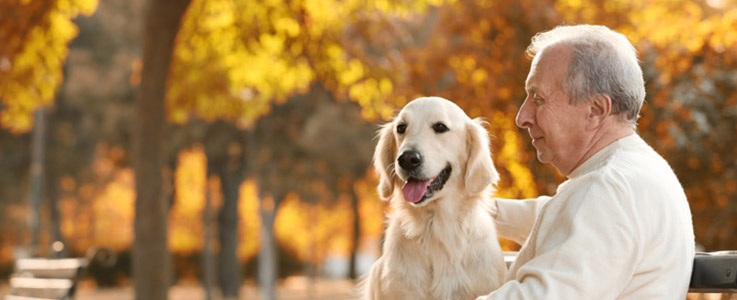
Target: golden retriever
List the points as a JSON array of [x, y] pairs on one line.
[[436, 170]]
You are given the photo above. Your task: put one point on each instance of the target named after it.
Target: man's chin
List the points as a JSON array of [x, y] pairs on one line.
[[542, 158]]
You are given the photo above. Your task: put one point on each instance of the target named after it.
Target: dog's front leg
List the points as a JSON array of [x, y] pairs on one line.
[[372, 289]]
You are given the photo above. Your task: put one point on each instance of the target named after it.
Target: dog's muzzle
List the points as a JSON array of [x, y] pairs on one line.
[[418, 190]]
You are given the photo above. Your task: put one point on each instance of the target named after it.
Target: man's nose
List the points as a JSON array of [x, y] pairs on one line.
[[410, 160], [525, 116]]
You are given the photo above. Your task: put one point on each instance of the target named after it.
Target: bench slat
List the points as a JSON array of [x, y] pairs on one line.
[[50, 268], [40, 283], [13, 297], [49, 263], [714, 272], [41, 287]]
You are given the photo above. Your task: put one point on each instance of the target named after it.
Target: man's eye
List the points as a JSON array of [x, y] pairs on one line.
[[537, 99], [401, 128], [439, 127]]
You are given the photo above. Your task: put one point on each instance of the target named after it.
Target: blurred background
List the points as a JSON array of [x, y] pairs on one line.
[[251, 127]]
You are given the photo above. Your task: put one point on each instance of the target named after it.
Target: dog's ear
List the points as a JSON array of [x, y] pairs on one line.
[[480, 171], [384, 156]]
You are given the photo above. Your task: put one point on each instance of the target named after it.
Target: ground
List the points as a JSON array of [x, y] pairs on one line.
[[292, 288]]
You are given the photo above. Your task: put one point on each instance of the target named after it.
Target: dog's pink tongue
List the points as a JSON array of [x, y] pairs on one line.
[[414, 190]]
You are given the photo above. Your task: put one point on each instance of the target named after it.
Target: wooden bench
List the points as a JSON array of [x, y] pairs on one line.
[[52, 278], [713, 272]]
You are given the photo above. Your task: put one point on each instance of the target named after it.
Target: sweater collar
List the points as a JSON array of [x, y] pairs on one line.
[[595, 160]]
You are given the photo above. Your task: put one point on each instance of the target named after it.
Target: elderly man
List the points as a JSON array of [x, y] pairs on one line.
[[620, 226]]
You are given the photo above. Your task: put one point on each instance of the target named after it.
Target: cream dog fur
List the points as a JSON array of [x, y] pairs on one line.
[[436, 170]]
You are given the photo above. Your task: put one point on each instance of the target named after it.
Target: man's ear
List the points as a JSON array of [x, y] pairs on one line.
[[384, 156], [600, 107], [480, 171]]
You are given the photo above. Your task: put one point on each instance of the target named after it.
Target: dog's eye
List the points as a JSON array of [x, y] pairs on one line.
[[401, 128], [439, 127]]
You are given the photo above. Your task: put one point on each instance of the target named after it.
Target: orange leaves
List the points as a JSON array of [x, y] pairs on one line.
[[17, 20], [233, 58], [510, 158], [274, 49], [367, 92], [30, 64], [724, 35], [352, 72], [287, 26]]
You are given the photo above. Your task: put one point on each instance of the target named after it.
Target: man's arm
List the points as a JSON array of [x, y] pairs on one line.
[[514, 218], [584, 248]]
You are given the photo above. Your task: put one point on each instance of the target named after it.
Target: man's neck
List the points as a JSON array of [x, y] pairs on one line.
[[602, 137]]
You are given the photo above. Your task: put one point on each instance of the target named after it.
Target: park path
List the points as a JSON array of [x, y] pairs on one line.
[[292, 288]]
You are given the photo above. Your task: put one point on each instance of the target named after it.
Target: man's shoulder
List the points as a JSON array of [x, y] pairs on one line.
[[625, 173], [639, 165], [638, 178]]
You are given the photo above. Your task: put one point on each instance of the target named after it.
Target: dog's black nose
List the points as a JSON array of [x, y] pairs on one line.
[[410, 160]]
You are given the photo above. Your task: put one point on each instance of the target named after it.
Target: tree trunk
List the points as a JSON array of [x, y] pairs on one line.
[[52, 194], [268, 263], [223, 147], [38, 145], [352, 273], [230, 271], [52, 189], [151, 259]]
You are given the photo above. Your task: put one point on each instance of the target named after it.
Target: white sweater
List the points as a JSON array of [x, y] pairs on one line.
[[619, 228]]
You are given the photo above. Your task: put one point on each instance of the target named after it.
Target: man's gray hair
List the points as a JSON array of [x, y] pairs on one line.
[[604, 62]]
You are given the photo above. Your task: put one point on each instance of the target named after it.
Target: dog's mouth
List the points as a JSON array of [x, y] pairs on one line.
[[418, 190]]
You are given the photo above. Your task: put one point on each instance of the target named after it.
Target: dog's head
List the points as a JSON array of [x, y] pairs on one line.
[[430, 145]]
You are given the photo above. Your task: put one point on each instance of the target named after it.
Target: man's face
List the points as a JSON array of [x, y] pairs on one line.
[[557, 128]]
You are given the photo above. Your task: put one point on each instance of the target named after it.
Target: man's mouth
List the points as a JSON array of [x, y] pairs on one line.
[[418, 190]]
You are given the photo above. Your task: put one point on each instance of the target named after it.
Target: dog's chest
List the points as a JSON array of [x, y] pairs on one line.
[[446, 269]]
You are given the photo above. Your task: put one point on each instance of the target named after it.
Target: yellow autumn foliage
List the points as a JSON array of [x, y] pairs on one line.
[[29, 78]]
